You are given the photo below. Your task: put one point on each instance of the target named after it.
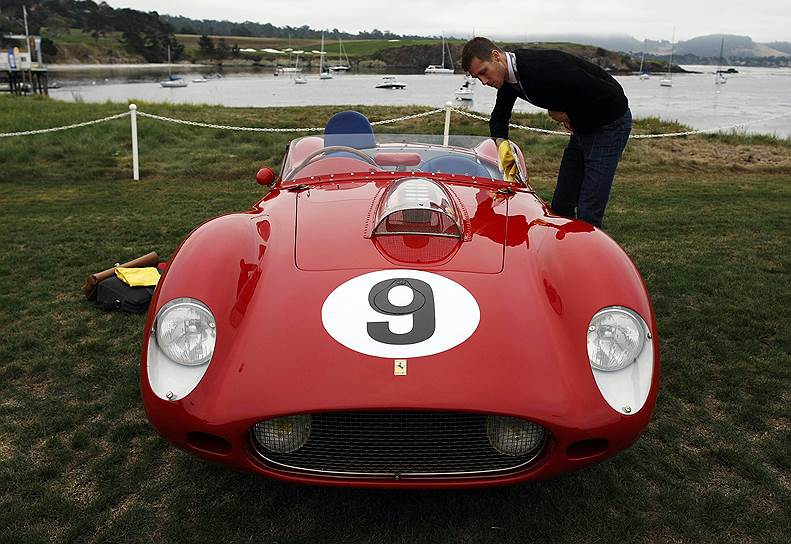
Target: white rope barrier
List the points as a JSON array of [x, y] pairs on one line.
[[448, 109], [67, 127], [273, 129], [708, 130], [635, 136], [376, 123], [512, 125], [227, 127]]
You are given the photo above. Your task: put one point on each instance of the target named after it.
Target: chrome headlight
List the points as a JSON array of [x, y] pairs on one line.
[[616, 336], [186, 331]]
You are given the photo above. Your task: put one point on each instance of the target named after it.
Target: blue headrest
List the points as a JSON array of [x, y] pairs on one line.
[[350, 128], [455, 165]]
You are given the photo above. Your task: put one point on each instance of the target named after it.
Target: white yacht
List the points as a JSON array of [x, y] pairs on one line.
[[667, 81], [172, 81], [720, 78], [343, 59], [390, 82], [440, 70], [643, 75], [466, 92], [324, 72]]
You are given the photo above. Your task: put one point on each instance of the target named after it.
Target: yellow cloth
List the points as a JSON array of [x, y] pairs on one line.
[[136, 277], [507, 162]]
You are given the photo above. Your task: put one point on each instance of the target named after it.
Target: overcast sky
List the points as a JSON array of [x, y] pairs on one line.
[[763, 20]]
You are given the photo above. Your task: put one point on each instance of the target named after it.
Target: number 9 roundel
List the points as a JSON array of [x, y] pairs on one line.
[[400, 313]]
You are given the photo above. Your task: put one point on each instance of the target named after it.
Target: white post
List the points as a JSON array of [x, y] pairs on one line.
[[448, 108], [135, 160]]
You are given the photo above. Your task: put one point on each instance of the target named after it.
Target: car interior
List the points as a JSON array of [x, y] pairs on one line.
[[349, 140]]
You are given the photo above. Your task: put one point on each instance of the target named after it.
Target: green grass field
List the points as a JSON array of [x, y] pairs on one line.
[[706, 220]]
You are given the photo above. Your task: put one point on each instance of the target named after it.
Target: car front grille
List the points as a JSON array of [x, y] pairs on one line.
[[402, 444]]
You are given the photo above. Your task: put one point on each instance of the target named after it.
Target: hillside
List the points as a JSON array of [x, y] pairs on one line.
[[75, 46], [733, 46], [421, 55], [82, 31]]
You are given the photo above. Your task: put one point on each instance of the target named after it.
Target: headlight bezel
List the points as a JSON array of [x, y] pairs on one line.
[[181, 303], [641, 327]]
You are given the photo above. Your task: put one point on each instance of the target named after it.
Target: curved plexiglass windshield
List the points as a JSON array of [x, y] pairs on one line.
[[337, 153]]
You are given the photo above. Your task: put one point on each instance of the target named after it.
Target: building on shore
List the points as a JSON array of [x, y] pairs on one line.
[[20, 73]]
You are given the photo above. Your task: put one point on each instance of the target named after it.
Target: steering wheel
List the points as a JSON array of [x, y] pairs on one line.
[[331, 149]]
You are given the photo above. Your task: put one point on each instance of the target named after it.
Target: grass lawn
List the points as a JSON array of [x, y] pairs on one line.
[[706, 220]]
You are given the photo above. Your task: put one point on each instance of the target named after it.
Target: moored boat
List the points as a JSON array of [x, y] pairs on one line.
[[390, 82]]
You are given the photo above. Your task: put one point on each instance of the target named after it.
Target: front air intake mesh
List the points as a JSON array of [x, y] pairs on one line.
[[402, 444]]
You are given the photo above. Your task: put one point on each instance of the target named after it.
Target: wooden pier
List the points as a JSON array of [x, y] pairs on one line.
[[22, 82]]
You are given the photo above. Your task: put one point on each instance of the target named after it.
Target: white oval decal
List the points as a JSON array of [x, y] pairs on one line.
[[400, 314]]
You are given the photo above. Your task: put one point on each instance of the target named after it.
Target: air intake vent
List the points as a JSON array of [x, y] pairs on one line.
[[410, 444]]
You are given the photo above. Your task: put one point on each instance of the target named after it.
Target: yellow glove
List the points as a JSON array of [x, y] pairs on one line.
[[507, 162], [136, 277]]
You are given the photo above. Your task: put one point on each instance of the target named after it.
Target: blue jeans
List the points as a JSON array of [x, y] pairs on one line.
[[587, 170]]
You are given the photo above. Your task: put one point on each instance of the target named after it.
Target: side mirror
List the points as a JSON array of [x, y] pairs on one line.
[[265, 176]]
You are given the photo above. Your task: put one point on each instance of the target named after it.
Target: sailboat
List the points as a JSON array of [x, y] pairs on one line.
[[643, 75], [719, 77], [290, 51], [667, 81], [323, 73], [299, 79], [172, 81], [341, 67], [433, 69]]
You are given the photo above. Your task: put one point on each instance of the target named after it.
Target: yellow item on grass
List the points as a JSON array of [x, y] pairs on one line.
[[137, 277], [507, 162]]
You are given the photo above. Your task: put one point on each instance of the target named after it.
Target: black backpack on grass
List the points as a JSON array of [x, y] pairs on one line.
[[113, 294]]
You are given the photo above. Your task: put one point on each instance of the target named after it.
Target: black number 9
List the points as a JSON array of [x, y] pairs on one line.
[[421, 308]]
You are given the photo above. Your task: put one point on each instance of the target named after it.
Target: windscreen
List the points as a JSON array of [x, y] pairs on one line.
[[343, 153]]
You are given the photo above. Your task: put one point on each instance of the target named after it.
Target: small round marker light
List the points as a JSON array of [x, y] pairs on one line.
[[513, 436], [283, 434]]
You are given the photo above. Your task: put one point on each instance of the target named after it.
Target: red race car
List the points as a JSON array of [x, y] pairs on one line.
[[393, 314]]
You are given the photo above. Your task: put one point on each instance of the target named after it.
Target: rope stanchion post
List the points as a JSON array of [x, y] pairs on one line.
[[135, 158], [446, 133]]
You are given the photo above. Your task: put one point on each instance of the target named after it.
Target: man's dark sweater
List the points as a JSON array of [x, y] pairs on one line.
[[562, 82]]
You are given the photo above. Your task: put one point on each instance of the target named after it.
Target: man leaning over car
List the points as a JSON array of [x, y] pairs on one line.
[[581, 96]]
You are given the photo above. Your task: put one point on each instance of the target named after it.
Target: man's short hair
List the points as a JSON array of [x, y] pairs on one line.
[[477, 47]]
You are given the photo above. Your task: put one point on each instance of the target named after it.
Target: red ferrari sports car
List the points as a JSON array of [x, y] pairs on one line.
[[393, 314]]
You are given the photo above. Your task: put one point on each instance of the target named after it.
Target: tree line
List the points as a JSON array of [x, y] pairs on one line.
[[144, 34], [185, 25]]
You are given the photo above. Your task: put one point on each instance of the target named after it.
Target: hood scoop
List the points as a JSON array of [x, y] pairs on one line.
[[417, 206]]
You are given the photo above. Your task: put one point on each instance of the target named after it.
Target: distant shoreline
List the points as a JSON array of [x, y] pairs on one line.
[[130, 66], [163, 66]]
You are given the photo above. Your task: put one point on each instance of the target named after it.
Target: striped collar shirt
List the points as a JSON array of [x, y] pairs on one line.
[[511, 60], [513, 79]]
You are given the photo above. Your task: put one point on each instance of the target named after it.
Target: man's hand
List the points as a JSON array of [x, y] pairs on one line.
[[562, 118]]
